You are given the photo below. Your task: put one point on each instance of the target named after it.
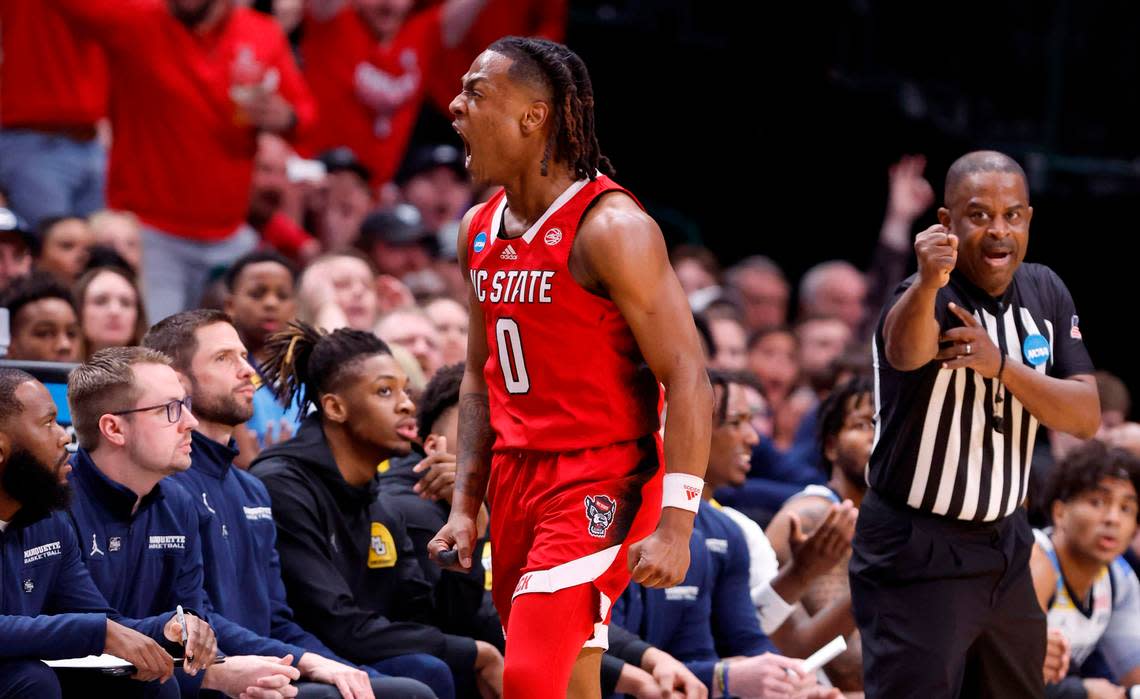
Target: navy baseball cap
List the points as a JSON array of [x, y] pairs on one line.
[[423, 159], [343, 159], [400, 225], [12, 227]]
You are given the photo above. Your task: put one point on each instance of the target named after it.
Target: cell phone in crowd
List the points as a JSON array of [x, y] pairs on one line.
[[5, 335], [301, 170]]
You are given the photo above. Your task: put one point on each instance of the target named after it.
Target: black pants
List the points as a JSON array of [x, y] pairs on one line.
[[946, 608], [401, 687], [31, 679]]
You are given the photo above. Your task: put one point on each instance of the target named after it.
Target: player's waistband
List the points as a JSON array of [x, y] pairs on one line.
[[645, 441]]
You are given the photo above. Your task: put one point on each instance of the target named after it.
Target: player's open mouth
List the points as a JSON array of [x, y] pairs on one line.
[[466, 146]]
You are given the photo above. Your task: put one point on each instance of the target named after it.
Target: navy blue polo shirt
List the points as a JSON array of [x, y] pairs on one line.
[[49, 607], [239, 546]]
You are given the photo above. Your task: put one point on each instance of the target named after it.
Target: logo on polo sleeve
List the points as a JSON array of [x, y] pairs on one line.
[[381, 548]]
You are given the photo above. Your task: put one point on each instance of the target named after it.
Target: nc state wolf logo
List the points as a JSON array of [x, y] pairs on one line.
[[600, 511]]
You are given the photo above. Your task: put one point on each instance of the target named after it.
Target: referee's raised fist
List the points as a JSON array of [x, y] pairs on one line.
[[937, 252]]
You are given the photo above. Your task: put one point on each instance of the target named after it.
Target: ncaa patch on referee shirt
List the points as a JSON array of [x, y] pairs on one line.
[[1075, 329], [480, 242], [1035, 349], [381, 547]]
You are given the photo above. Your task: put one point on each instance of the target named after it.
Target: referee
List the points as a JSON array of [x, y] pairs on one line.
[[970, 354]]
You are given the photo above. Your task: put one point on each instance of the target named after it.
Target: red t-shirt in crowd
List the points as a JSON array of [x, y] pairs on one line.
[[499, 18], [182, 150], [50, 74], [369, 94]]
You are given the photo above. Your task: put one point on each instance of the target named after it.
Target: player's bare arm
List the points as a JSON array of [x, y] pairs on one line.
[[475, 436], [621, 253], [1044, 577]]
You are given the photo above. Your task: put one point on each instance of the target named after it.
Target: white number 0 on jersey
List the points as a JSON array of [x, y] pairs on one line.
[[511, 356]]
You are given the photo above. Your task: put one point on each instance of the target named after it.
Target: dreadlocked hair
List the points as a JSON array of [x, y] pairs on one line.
[[305, 362], [572, 139]]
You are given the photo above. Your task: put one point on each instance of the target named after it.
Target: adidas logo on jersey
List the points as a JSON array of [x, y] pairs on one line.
[[509, 253]]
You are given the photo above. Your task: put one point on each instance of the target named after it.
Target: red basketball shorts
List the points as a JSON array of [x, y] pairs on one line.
[[568, 518]]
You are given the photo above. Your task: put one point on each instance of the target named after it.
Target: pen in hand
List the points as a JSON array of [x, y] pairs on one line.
[[185, 635]]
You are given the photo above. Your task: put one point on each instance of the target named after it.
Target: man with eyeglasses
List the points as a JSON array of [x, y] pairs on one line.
[[140, 536]]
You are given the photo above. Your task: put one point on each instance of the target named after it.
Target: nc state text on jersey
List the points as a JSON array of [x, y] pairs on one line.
[[513, 286]]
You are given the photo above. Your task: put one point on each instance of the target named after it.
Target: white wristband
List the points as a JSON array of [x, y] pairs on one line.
[[773, 609], [682, 490]]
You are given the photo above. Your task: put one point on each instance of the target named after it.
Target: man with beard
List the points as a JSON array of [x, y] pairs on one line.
[[140, 535], [847, 427], [49, 606], [214, 73], [243, 572], [349, 566]]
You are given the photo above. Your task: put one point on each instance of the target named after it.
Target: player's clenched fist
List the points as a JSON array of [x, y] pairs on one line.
[[937, 252], [661, 559]]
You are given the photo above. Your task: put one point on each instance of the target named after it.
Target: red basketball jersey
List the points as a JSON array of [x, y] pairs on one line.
[[563, 370]]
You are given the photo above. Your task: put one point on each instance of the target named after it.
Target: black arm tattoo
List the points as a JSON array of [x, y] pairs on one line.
[[474, 449]]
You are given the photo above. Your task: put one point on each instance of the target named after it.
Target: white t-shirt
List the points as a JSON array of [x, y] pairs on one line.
[[764, 565], [1111, 624]]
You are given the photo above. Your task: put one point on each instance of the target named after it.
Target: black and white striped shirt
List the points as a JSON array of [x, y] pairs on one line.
[[944, 443]]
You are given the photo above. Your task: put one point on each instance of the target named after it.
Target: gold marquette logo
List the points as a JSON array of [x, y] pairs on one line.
[[382, 548]]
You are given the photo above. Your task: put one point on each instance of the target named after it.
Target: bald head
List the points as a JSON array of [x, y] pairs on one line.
[[975, 162]]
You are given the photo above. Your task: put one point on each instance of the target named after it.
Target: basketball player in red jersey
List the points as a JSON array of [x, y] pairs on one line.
[[558, 411]]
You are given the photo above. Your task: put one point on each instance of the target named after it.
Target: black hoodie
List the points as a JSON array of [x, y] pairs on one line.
[[349, 567]]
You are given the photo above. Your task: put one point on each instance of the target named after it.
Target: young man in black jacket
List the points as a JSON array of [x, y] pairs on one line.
[[419, 485], [349, 567]]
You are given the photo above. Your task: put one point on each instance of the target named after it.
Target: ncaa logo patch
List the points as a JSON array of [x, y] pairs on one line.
[[480, 242], [600, 511], [552, 237], [1036, 349]]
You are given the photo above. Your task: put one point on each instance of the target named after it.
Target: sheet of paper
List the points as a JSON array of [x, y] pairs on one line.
[[91, 662]]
